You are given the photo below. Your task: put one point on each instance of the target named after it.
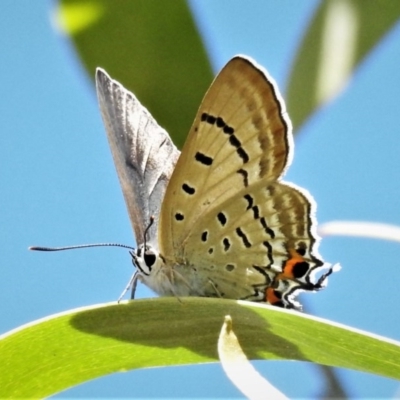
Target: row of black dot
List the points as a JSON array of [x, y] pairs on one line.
[[206, 160], [256, 213], [222, 219], [233, 140]]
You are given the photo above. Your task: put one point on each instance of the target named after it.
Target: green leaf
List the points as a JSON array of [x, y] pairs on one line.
[[340, 36], [58, 352], [152, 47]]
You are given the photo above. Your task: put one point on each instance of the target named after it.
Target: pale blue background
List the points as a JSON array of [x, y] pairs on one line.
[[59, 187]]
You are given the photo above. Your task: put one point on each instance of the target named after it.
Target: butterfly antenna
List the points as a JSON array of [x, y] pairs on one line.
[[80, 246], [147, 230]]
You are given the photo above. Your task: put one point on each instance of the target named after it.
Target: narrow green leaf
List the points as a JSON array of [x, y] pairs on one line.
[[151, 46], [64, 350], [339, 37]]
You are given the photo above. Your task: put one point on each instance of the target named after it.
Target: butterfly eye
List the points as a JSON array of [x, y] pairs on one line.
[[149, 258], [143, 259]]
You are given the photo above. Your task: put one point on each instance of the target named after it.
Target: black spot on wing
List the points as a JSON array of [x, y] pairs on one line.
[[203, 159], [277, 294], [245, 176], [267, 228], [228, 130], [204, 236], [243, 236], [269, 252], [179, 217], [221, 218], [243, 155], [250, 201], [233, 140], [227, 244], [211, 119], [256, 212], [220, 122], [188, 189], [300, 269]]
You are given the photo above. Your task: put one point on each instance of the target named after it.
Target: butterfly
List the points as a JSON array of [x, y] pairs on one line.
[[215, 220]]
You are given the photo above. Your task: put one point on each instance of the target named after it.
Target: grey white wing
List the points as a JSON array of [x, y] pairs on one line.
[[143, 153]]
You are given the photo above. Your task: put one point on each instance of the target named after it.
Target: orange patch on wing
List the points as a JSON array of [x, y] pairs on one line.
[[270, 296], [290, 264]]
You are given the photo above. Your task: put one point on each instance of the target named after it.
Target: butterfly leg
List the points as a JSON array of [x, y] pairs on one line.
[[131, 285], [217, 292]]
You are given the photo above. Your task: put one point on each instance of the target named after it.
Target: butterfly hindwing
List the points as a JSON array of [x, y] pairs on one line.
[[258, 235], [143, 153]]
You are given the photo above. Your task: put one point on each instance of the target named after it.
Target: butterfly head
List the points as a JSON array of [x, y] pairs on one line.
[[145, 258], [152, 270]]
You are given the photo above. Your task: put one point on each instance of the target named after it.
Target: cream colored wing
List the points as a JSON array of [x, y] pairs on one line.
[[225, 211], [239, 138], [260, 237], [143, 153]]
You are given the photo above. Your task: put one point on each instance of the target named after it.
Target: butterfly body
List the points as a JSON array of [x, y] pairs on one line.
[[225, 224], [181, 278]]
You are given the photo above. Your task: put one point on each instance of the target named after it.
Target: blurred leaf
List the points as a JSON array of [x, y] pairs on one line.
[[372, 230], [53, 354], [152, 47], [339, 37]]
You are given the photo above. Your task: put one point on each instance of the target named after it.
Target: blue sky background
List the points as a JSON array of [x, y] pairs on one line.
[[59, 187]]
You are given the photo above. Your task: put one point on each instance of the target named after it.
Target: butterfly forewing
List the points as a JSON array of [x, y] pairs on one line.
[[143, 153], [239, 137]]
